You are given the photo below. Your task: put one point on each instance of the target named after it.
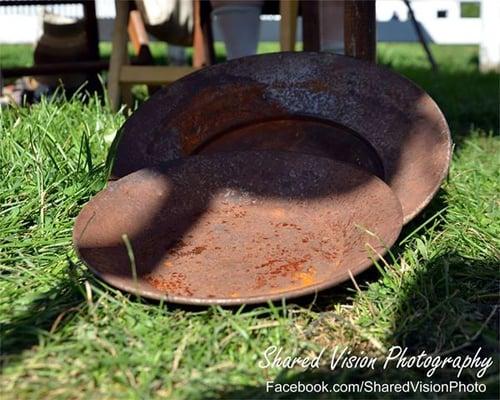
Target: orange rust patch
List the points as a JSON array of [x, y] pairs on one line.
[[199, 249], [307, 277], [274, 272], [278, 213], [175, 284]]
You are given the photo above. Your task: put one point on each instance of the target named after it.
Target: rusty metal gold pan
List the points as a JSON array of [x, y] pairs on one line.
[[240, 227], [315, 103]]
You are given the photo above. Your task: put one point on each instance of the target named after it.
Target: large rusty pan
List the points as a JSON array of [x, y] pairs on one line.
[[316, 103], [241, 227]]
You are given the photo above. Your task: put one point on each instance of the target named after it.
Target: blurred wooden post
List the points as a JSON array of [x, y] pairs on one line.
[[119, 53], [360, 25], [203, 49], [90, 20], [310, 25], [288, 25], [123, 76]]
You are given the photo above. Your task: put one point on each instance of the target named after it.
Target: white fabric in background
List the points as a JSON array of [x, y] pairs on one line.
[[169, 20]]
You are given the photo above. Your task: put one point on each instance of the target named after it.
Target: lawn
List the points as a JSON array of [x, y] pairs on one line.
[[65, 334]]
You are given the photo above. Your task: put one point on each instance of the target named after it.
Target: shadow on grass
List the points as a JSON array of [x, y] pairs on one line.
[[47, 312], [445, 312], [468, 99]]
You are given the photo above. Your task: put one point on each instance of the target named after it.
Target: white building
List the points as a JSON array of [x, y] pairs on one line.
[[442, 21]]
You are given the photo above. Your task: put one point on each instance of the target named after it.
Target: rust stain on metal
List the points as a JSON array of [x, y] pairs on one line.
[[174, 284], [306, 278]]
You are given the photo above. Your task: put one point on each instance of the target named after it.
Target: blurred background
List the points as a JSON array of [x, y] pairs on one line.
[[450, 47]]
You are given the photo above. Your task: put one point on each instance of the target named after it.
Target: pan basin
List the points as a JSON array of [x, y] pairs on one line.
[[237, 227]]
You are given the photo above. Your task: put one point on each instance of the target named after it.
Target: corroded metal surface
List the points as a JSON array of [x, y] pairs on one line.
[[303, 136], [241, 227], [229, 102]]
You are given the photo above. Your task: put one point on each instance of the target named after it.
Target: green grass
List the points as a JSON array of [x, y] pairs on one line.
[[65, 334]]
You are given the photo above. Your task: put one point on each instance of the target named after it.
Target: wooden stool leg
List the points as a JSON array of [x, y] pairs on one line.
[[203, 43], [118, 52], [288, 24]]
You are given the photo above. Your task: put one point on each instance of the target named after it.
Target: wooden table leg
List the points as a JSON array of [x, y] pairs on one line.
[[288, 24], [119, 53], [310, 25], [360, 29], [203, 43]]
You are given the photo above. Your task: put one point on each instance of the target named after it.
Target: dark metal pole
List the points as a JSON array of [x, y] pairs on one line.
[[91, 29], [420, 35]]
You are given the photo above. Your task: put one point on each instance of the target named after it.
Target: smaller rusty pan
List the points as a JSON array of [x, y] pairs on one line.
[[237, 227]]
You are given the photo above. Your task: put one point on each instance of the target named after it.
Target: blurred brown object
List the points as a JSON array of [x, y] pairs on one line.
[[22, 91], [91, 65], [359, 39], [139, 38], [129, 24], [64, 40], [359, 27]]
